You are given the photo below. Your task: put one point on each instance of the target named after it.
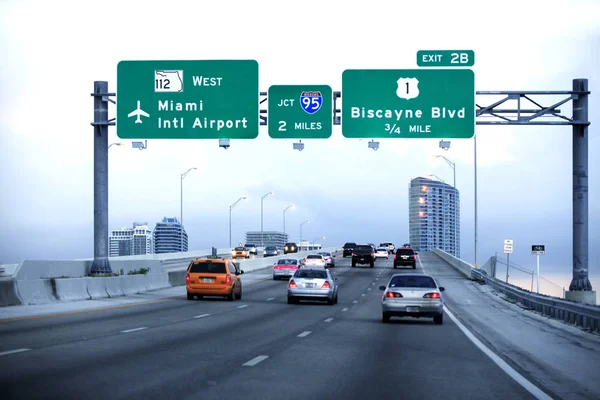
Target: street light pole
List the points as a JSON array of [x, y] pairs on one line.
[[181, 202], [231, 208], [262, 241], [284, 210], [453, 165], [305, 222]]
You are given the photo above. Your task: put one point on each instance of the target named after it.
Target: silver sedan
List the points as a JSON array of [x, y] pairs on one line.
[[412, 295], [313, 284]]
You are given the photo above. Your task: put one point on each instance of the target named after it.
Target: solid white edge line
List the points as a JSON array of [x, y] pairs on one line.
[[243, 306], [135, 330], [202, 315], [305, 334], [271, 298], [5, 353], [510, 371], [344, 309], [254, 361], [355, 301]]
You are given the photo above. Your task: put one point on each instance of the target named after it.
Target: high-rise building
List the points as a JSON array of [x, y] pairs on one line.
[[434, 216], [271, 238], [131, 241], [169, 236]]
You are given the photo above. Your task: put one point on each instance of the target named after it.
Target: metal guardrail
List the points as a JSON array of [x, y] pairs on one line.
[[583, 315]]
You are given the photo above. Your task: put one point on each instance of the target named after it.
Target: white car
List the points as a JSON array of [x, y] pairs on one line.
[[381, 253], [314, 260]]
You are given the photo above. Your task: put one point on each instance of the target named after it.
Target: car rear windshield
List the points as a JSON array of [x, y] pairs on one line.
[[412, 282], [249, 245], [405, 252], [240, 248], [381, 249], [302, 273], [270, 248], [350, 245], [208, 267], [313, 257], [287, 261], [363, 248], [325, 254]]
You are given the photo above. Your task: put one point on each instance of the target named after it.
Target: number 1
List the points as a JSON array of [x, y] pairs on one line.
[[406, 87]]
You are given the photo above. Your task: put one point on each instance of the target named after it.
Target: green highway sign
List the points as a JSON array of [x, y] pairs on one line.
[[408, 103], [300, 111], [445, 58], [207, 99]]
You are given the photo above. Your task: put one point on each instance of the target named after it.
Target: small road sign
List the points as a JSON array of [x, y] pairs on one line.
[[508, 242], [538, 249], [445, 58], [204, 99], [410, 103], [508, 249], [300, 111]]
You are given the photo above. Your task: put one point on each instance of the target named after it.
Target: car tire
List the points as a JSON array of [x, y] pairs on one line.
[[239, 296], [414, 266], [231, 295], [385, 318], [291, 300], [275, 278], [372, 264], [439, 319], [190, 296], [336, 299]]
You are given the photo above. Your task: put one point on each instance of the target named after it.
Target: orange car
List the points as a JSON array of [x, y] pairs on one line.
[[240, 251], [213, 277]]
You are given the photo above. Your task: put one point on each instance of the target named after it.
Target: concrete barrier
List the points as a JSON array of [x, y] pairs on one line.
[[8, 293], [71, 289], [113, 286], [36, 291], [461, 266], [96, 288]]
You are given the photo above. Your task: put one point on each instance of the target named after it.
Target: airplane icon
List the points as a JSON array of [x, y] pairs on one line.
[[137, 113]]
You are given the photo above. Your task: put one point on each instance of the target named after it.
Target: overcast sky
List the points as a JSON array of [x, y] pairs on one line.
[[52, 52]]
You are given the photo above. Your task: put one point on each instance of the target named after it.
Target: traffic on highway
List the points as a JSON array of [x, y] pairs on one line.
[[345, 331]]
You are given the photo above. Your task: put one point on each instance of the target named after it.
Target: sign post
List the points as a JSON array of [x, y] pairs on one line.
[[408, 103], [508, 249], [207, 99], [538, 250]]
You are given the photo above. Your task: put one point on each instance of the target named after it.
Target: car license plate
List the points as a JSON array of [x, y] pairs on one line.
[[412, 309], [309, 285], [404, 257], [206, 280]]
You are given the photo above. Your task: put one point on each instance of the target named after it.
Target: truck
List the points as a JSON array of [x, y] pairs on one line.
[[363, 254]]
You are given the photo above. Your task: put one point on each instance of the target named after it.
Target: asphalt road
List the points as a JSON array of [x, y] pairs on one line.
[[256, 348]]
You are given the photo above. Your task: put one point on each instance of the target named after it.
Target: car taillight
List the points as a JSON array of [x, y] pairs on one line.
[[293, 284], [228, 280], [432, 295], [326, 285], [394, 256], [415, 256], [353, 255], [187, 278], [392, 295]]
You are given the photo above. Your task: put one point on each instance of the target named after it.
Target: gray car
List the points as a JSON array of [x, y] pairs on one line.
[[329, 258], [270, 251], [412, 295], [313, 284]]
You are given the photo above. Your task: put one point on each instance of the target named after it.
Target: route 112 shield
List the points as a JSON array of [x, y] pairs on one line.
[[311, 102]]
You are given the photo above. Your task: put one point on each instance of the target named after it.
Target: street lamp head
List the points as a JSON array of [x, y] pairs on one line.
[[245, 198], [292, 206]]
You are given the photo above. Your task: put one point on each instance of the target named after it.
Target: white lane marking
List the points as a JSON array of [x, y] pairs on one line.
[[243, 306], [271, 298], [344, 309], [355, 301], [372, 283], [329, 320], [201, 315], [255, 361], [362, 295], [135, 329], [520, 379], [368, 288], [5, 353], [305, 334]]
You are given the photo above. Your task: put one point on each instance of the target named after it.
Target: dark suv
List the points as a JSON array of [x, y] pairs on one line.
[[405, 256], [348, 247], [290, 248], [363, 254]]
